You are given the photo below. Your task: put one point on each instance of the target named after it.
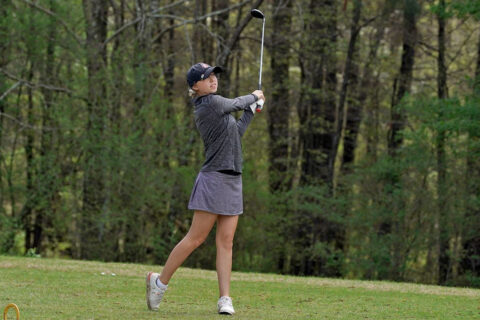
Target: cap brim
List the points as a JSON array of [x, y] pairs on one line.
[[212, 69]]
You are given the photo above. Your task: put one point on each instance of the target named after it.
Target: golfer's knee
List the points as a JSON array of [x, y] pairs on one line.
[[224, 241], [197, 240]]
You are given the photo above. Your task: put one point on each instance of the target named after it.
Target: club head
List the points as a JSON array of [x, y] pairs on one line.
[[257, 14]]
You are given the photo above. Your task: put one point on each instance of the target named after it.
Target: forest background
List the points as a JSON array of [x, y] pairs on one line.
[[363, 164]]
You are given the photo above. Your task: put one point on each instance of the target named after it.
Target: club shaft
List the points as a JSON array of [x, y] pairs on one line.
[[261, 57]]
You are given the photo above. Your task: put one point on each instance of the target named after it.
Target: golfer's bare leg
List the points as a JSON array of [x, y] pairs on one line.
[[202, 223], [226, 226]]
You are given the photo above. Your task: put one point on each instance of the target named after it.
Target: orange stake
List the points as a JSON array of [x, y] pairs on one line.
[[11, 305]]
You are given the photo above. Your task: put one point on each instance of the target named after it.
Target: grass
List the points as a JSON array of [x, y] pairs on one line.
[[69, 289]]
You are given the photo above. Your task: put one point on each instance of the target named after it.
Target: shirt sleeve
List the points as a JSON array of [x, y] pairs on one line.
[[225, 105], [244, 121]]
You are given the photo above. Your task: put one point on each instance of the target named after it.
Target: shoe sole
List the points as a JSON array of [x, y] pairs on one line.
[[225, 312], [147, 279]]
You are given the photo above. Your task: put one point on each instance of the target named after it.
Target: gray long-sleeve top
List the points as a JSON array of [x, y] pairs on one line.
[[220, 131]]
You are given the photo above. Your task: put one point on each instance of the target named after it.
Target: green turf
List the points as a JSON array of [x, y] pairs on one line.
[[69, 289]]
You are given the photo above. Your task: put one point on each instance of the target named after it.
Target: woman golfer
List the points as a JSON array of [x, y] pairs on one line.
[[217, 193]]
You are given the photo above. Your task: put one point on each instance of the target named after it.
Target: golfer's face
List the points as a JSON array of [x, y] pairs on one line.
[[208, 85]]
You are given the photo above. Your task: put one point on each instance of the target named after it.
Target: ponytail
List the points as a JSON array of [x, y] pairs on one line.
[[192, 93]]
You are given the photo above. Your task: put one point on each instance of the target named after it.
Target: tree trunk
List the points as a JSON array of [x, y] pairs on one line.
[[404, 80], [28, 209], [367, 85], [281, 168], [441, 240], [395, 225], [207, 44], [471, 247], [221, 28], [118, 69], [118, 98], [4, 56], [168, 58], [228, 46], [354, 110], [317, 109], [360, 100], [95, 12], [141, 57], [47, 181], [317, 114], [169, 68]]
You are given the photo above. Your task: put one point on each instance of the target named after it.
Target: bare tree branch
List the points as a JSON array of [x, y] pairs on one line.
[[459, 51], [33, 85], [10, 89], [25, 125], [222, 58], [154, 14], [188, 21], [151, 14], [120, 30], [168, 6]]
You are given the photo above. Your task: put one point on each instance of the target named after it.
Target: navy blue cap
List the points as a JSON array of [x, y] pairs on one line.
[[200, 71]]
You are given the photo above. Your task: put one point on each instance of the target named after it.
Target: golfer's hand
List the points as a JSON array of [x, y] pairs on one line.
[[259, 94]]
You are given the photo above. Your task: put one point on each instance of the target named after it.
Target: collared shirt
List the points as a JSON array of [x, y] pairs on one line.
[[220, 131]]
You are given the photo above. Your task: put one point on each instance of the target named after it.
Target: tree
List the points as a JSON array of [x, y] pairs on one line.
[[471, 261], [95, 12], [27, 214], [6, 219], [350, 78], [281, 168], [226, 47], [4, 54], [317, 114], [441, 237], [361, 82], [317, 107], [404, 80], [395, 223], [48, 179]]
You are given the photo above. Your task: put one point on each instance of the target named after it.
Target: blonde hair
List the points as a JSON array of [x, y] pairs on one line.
[[192, 93]]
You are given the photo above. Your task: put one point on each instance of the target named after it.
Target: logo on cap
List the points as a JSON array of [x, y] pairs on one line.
[[206, 66]]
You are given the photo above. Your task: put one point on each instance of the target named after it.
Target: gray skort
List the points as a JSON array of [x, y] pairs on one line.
[[217, 193]]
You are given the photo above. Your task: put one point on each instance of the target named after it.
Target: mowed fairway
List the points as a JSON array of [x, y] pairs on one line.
[[69, 289]]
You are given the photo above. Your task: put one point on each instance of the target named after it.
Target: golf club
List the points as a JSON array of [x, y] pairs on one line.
[[259, 15]]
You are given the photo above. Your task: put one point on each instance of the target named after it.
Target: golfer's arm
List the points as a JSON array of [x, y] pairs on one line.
[[225, 105], [244, 121]]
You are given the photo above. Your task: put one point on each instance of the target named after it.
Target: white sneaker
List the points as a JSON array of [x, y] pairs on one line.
[[154, 293], [225, 305]]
